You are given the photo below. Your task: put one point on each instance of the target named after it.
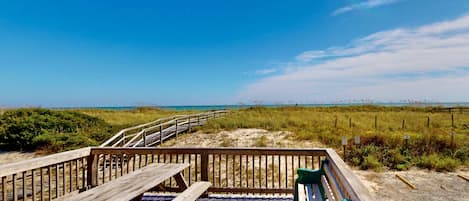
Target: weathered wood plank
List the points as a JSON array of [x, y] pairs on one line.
[[194, 191], [333, 183], [353, 186], [12, 168], [181, 182], [131, 185], [301, 192]]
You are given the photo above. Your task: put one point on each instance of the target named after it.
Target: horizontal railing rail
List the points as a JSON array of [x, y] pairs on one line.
[[45, 178], [230, 170]]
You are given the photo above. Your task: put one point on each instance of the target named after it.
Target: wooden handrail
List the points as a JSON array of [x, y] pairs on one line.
[[158, 122], [349, 181], [21, 166]]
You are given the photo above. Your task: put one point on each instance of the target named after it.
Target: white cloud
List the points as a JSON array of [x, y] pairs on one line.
[[429, 62], [363, 5], [266, 71]]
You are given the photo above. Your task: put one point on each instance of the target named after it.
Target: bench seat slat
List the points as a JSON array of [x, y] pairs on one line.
[[309, 192], [317, 193], [301, 192], [194, 191]]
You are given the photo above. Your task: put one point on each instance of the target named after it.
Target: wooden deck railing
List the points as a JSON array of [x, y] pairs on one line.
[[230, 170], [130, 137]]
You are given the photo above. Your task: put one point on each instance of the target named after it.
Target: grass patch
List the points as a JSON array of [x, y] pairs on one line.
[[131, 117], [261, 141], [381, 129], [438, 162]]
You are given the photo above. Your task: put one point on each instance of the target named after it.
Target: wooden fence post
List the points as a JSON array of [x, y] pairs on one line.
[[452, 120], [428, 121], [161, 135], [176, 131], [403, 123], [144, 136], [189, 120], [92, 170], [204, 166], [376, 122], [335, 122]]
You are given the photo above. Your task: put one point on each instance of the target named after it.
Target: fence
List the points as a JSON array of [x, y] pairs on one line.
[[230, 170]]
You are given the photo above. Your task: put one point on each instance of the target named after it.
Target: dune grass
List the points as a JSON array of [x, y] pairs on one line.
[[132, 117], [383, 141]]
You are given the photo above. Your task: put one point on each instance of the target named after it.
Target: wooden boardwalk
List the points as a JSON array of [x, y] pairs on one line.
[[158, 137], [156, 132]]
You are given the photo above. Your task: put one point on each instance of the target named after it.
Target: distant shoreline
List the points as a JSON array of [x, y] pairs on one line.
[[220, 107]]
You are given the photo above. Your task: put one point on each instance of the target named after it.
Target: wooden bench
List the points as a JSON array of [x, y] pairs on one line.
[[194, 191], [133, 185], [317, 185]]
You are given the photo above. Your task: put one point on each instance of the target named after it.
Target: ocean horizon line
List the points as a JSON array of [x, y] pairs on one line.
[[238, 106]]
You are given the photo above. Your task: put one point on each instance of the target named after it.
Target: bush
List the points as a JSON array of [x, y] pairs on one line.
[[396, 159], [29, 129], [371, 162], [438, 163]]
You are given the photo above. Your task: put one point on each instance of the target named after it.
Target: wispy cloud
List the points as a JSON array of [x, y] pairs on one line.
[[266, 71], [429, 62], [363, 5]]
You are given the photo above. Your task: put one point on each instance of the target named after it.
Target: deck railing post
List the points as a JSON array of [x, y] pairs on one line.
[[204, 166], [92, 170]]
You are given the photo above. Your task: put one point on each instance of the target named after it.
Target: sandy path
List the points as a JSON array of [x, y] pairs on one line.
[[430, 185], [241, 138], [14, 156]]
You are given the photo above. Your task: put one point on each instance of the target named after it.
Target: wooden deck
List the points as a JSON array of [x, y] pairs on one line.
[[235, 171]]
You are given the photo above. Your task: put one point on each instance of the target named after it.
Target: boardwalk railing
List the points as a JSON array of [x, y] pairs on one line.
[[230, 170], [157, 131]]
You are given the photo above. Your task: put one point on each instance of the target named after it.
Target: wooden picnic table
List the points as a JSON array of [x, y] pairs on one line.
[[133, 185]]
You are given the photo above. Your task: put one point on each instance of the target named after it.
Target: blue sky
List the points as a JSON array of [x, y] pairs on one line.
[[114, 53]]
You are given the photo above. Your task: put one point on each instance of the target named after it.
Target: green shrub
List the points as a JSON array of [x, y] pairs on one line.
[[32, 128], [462, 154], [371, 162], [438, 163]]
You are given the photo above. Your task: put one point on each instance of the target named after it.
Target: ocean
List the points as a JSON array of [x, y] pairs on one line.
[[222, 107]]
